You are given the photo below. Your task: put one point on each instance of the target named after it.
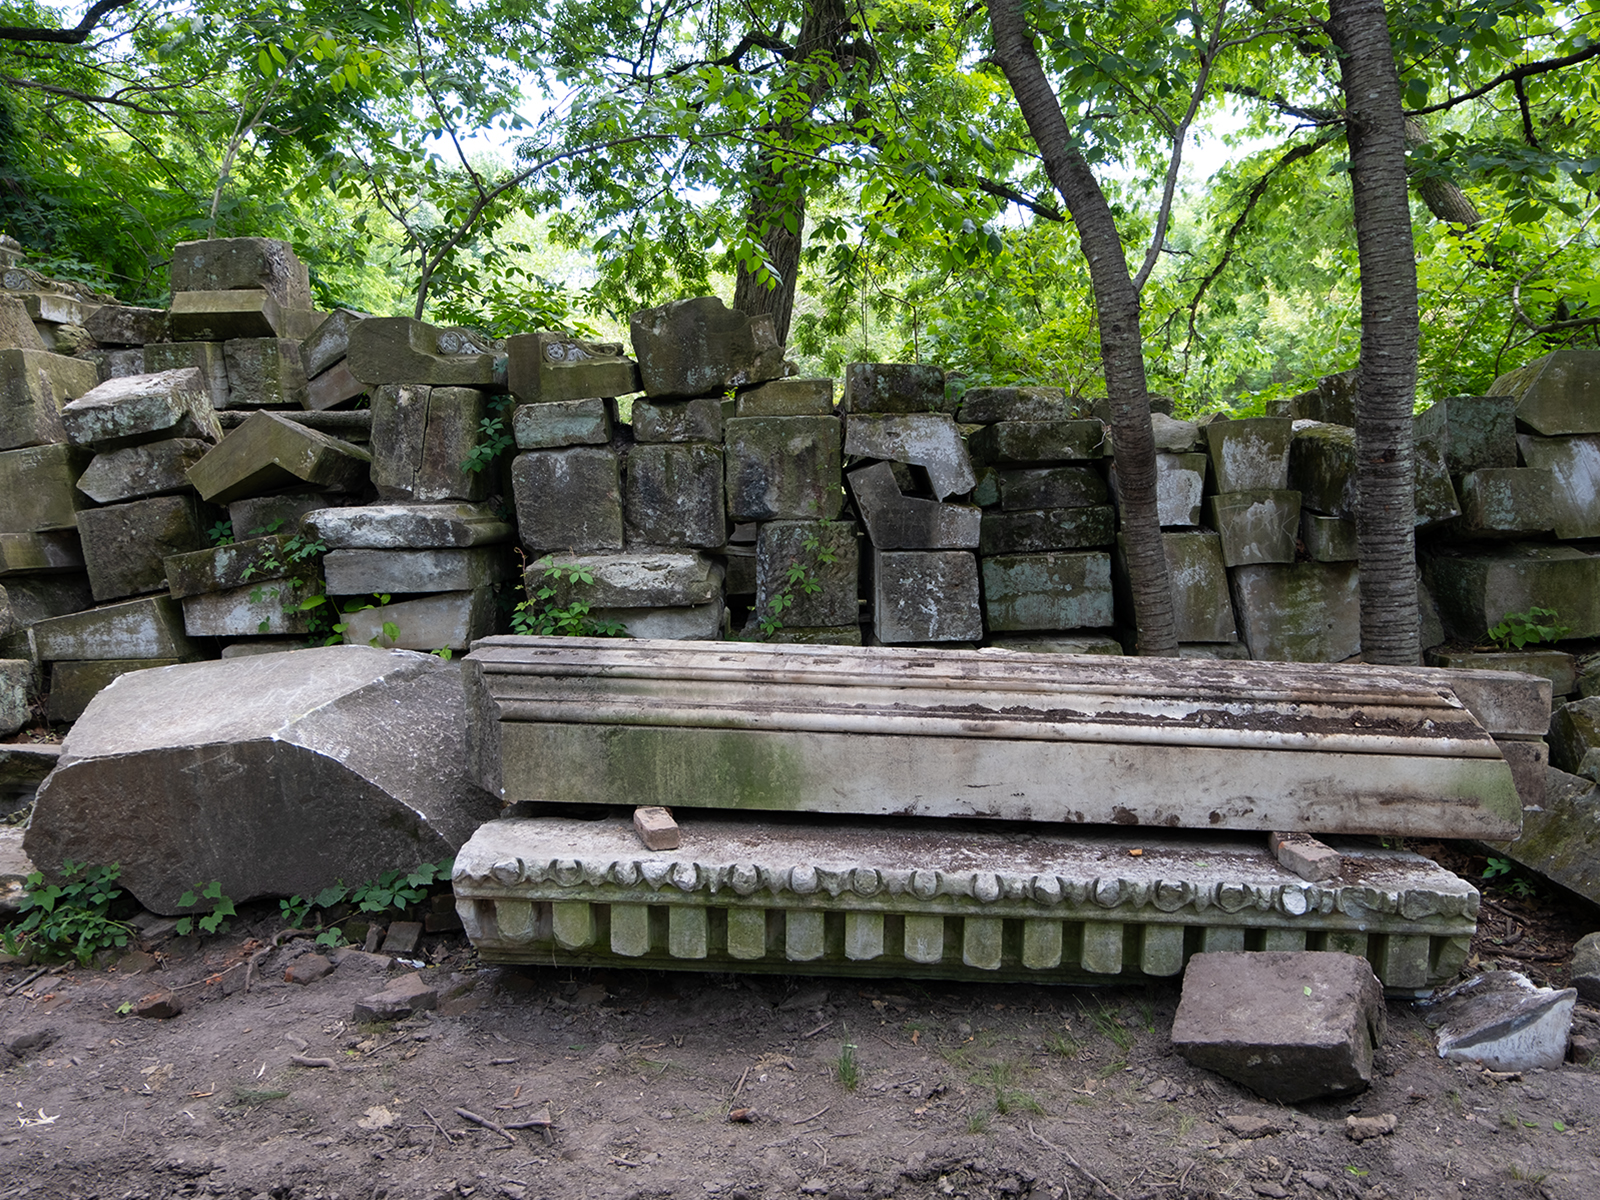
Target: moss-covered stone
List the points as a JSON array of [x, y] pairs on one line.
[[1558, 393], [1047, 591], [1476, 587], [1305, 612], [1256, 527]]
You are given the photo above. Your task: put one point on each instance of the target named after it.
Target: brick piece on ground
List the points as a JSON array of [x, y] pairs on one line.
[[158, 1006], [1305, 856], [308, 968], [1288, 1025], [402, 937], [143, 408], [406, 995], [655, 827]]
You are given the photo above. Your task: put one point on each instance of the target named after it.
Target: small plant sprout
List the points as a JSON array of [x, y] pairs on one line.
[[210, 922], [846, 1067], [71, 919], [541, 614], [1533, 627]]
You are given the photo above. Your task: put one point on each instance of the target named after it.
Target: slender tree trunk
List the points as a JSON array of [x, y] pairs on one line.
[[1386, 513], [1444, 197], [1117, 306]]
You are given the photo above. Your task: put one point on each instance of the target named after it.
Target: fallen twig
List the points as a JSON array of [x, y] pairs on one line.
[[814, 1115], [305, 1060], [448, 1136], [386, 1045], [739, 1087], [1067, 1154], [17, 987], [468, 1115], [815, 1031]]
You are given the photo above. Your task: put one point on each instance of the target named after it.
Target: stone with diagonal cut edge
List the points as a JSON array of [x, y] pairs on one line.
[[142, 408]]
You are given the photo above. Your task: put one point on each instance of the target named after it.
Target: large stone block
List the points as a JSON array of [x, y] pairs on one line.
[[51, 551], [925, 596], [421, 436], [1180, 488], [358, 572], [1047, 591], [550, 367], [205, 357], [219, 568], [825, 592], [124, 545], [684, 623], [268, 607], [1507, 502], [16, 684], [927, 440], [142, 408], [401, 350], [553, 424], [1433, 492], [786, 398], [1250, 455], [147, 628], [264, 372], [1476, 432], [568, 500], [896, 521], [1256, 527], [273, 774], [137, 471], [74, 684], [1028, 442], [1047, 529], [1575, 738], [34, 387], [281, 512], [894, 388], [37, 488], [1560, 839], [222, 316], [115, 364], [1202, 610], [1574, 464], [267, 453], [329, 342], [637, 579], [1332, 401], [1328, 539], [1556, 394], [783, 468], [16, 326], [36, 598], [698, 420], [699, 347], [1307, 612], [333, 387], [408, 526], [1322, 467], [451, 620], [1289, 1025], [986, 405], [1500, 1021], [228, 264], [1475, 587], [1049, 487], [672, 496]]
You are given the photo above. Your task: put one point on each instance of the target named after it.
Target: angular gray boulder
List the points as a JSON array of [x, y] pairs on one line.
[[273, 774]]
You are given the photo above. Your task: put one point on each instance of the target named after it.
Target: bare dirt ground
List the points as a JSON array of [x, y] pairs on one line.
[[848, 1089]]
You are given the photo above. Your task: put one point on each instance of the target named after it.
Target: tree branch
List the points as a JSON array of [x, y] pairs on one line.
[[64, 37], [87, 97], [1515, 75]]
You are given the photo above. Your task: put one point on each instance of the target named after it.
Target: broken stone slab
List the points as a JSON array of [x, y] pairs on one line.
[[1575, 738], [16, 326], [1048, 487], [698, 420], [135, 472], [786, 398], [445, 619], [142, 408], [894, 388], [231, 264], [783, 468], [1506, 701], [925, 596], [1180, 488], [672, 496], [1433, 491], [421, 439], [402, 998], [1290, 1026], [1202, 610], [1174, 436], [218, 568], [222, 316], [52, 551], [1529, 760], [681, 623], [333, 387], [264, 371], [895, 521], [986, 405], [1476, 586], [35, 386], [700, 347], [38, 488], [637, 579], [1305, 855], [16, 685], [1557, 393], [205, 357], [1029, 442], [1250, 455], [1301, 612], [552, 424], [927, 440], [329, 342], [1560, 839], [1328, 539], [915, 902], [148, 628], [358, 572], [1256, 527], [542, 368], [570, 500], [1047, 529], [1047, 591], [1585, 967], [261, 608], [826, 556], [408, 526], [274, 774], [125, 545], [267, 453], [1502, 1020], [1574, 465], [74, 684], [1476, 432], [115, 364], [401, 350], [1557, 666]]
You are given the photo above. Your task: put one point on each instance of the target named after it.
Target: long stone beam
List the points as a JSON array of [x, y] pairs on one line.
[[1088, 740]]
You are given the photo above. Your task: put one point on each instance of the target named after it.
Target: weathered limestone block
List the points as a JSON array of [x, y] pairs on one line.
[[408, 526], [124, 545], [205, 357], [786, 398], [1475, 587], [401, 350], [1027, 442], [1575, 738], [1559, 667], [1256, 527], [1574, 463], [1290, 1026], [1036, 643], [147, 628], [783, 468], [134, 472], [1047, 591], [546, 367], [1202, 610], [1507, 502], [894, 388], [1433, 491], [1476, 432], [248, 560], [1507, 701], [261, 608], [554, 424], [1322, 467], [16, 326], [264, 371], [1307, 612], [267, 453], [1049, 487], [421, 436], [1251, 454], [637, 579], [74, 684], [699, 347], [37, 489], [782, 546], [1556, 394], [698, 420], [222, 316], [925, 596], [125, 325], [1173, 436], [36, 598], [445, 619], [333, 387], [329, 342], [1180, 488], [228, 264], [568, 500], [50, 307], [682, 623], [1328, 539], [672, 496], [1331, 402], [273, 774], [986, 405], [34, 387], [142, 408], [51, 551], [114, 364], [16, 682], [357, 572], [896, 521], [281, 512], [1561, 838], [1047, 529], [927, 440]]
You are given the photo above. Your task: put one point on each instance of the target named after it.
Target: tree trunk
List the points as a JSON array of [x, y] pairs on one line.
[[1444, 197], [1117, 307], [1386, 511], [777, 200]]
